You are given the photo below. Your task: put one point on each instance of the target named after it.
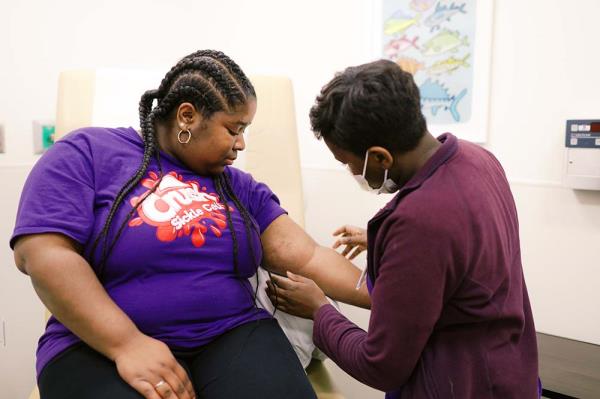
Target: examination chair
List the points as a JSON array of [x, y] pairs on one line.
[[109, 97]]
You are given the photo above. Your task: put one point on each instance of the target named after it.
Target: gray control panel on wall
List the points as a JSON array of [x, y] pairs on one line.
[[582, 140]]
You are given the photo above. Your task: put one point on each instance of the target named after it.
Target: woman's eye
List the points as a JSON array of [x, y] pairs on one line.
[[233, 133]]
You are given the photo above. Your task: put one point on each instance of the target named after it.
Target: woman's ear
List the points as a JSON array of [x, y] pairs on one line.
[[187, 115], [381, 156]]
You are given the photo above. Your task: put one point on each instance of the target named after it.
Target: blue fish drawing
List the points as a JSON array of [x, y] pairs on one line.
[[434, 96], [443, 13]]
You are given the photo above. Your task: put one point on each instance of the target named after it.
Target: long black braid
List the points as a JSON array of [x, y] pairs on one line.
[[150, 148], [248, 223], [212, 82]]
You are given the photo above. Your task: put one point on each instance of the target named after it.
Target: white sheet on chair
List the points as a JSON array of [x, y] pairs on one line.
[[297, 329]]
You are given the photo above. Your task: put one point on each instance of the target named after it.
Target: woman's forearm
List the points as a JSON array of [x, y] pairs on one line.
[[68, 287], [336, 276], [288, 247]]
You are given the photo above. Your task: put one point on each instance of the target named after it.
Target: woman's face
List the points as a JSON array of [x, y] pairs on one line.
[[214, 141]]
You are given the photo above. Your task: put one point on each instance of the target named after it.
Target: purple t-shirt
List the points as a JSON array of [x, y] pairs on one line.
[[171, 270]]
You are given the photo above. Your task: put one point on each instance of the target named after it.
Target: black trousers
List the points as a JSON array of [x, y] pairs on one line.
[[254, 360]]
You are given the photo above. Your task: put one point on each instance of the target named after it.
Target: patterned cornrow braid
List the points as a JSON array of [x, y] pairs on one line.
[[230, 65], [217, 76], [234, 85], [150, 147], [146, 105], [243, 81], [193, 87], [220, 183], [248, 221]]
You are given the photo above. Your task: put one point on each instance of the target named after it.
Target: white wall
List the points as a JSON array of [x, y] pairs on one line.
[[544, 71], [307, 40]]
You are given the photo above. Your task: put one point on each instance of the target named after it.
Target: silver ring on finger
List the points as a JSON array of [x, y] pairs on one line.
[[159, 384]]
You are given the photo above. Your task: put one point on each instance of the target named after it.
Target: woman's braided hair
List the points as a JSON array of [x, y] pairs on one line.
[[212, 82]]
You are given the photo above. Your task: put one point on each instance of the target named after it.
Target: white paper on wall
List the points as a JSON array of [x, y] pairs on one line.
[[121, 110]]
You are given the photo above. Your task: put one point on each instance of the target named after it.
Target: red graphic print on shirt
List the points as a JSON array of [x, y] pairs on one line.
[[179, 208]]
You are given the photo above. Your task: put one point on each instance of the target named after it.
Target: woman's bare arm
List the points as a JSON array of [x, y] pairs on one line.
[[286, 246]]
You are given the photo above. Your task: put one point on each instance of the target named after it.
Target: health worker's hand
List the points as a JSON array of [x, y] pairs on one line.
[[296, 295], [151, 369], [353, 237]]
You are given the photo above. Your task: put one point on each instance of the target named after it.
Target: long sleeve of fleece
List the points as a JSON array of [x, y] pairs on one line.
[[407, 300]]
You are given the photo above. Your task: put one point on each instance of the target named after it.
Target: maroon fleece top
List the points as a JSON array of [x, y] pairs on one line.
[[450, 315]]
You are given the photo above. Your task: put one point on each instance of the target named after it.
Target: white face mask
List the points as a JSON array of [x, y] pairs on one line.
[[387, 187]]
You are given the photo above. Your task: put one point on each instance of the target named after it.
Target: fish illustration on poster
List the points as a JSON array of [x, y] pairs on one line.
[[434, 41]]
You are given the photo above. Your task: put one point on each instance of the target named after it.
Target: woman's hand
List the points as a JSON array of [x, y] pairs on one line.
[[151, 369], [295, 295], [353, 237]]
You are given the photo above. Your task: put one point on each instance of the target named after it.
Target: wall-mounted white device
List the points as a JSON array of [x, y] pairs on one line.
[[582, 140]]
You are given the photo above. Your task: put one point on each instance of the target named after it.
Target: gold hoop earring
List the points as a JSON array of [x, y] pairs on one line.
[[189, 136]]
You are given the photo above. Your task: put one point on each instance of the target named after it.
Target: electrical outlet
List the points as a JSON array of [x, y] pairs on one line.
[[2, 145]]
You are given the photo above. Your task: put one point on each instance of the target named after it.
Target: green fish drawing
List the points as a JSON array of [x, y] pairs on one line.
[[448, 65], [398, 23], [444, 41]]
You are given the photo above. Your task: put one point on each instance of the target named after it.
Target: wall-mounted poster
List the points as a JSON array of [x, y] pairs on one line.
[[446, 45]]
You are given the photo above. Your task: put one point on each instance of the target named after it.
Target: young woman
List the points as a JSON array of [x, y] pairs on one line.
[[145, 265]]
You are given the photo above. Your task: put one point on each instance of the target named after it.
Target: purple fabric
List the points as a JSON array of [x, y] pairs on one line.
[[450, 314], [172, 269]]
